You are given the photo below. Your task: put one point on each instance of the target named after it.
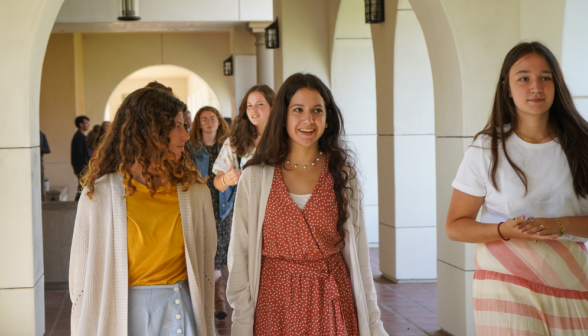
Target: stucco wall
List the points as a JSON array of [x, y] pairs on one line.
[[109, 58]]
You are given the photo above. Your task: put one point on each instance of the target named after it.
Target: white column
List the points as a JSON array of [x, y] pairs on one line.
[[408, 230], [265, 57], [26, 25], [353, 75]]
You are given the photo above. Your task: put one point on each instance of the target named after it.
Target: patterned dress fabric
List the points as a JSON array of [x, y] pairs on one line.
[[527, 288], [305, 287], [223, 227]]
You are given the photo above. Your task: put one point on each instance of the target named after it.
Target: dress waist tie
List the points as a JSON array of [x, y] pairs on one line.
[[329, 283]]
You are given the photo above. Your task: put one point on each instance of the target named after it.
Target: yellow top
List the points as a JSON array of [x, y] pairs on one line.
[[155, 238]]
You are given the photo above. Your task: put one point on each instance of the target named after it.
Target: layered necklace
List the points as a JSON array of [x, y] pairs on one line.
[[307, 164], [535, 141]]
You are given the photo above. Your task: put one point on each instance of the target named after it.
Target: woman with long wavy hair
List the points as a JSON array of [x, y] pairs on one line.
[[237, 149], [528, 172], [298, 258], [248, 126], [142, 256], [208, 133]]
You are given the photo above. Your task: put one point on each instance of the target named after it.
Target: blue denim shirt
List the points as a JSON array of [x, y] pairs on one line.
[[201, 159]]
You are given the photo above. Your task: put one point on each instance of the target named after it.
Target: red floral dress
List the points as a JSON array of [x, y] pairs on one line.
[[305, 288]]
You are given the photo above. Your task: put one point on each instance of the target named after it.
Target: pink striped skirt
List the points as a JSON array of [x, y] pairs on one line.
[[527, 288]]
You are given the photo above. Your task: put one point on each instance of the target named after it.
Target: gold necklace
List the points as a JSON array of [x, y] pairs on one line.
[[304, 167], [535, 141]]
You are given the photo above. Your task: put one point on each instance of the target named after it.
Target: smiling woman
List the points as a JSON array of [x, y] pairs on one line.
[[298, 250], [145, 217]]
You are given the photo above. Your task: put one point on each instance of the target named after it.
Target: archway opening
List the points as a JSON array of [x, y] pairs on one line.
[[186, 85]]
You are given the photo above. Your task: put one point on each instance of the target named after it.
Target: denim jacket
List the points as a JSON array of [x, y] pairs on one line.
[[201, 159]]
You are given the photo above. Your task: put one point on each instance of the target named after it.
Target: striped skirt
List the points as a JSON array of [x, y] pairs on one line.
[[527, 288]]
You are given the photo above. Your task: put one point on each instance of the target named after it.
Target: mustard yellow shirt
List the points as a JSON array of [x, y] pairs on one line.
[[154, 238]]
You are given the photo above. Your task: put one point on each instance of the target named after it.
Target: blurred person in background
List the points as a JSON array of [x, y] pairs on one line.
[[209, 132], [80, 154], [91, 138]]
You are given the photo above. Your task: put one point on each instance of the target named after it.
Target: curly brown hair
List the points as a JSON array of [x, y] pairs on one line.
[[196, 133], [243, 132], [274, 146], [140, 133]]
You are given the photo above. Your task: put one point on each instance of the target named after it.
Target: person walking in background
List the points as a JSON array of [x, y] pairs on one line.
[[142, 256], [209, 132], [44, 144], [528, 172], [80, 154], [188, 120], [91, 138], [245, 134], [100, 134], [298, 258]]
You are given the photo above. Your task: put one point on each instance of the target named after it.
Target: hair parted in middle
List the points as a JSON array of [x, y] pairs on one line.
[[274, 146], [569, 125], [243, 132], [140, 132], [196, 132]]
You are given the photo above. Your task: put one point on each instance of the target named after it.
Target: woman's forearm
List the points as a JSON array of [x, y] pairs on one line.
[[469, 231], [575, 226], [218, 184]]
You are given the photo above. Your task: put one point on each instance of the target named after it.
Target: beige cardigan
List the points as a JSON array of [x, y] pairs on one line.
[[98, 270], [244, 259]]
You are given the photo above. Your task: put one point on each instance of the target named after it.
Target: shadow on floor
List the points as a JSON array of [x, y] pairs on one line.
[[407, 309]]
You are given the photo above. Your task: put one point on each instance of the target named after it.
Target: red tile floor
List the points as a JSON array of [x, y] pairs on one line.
[[407, 309]]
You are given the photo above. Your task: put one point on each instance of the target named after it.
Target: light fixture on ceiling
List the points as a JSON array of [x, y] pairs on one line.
[[374, 11], [228, 66], [272, 36], [129, 10]]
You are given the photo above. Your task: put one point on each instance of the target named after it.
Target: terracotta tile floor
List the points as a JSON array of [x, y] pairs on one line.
[[407, 309]]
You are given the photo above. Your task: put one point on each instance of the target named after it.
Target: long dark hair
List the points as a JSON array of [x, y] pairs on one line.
[[274, 146], [243, 132], [564, 119], [140, 131]]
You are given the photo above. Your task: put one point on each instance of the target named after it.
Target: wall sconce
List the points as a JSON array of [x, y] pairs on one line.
[[228, 66], [129, 10], [272, 36], [374, 11]]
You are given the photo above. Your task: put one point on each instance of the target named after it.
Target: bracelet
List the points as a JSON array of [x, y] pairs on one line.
[[561, 227], [500, 234], [223, 181]]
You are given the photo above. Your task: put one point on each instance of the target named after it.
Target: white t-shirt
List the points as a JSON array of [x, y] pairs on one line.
[[300, 200], [549, 180], [226, 156]]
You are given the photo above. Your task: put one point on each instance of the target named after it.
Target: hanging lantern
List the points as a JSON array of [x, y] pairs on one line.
[[374, 11], [272, 36], [129, 10], [228, 66]]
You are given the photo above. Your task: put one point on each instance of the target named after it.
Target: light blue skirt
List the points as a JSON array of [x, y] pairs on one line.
[[162, 310]]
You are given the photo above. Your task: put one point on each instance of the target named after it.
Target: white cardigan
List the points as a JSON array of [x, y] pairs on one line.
[[244, 259], [98, 270]]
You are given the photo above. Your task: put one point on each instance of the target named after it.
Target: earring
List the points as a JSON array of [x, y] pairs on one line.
[[326, 125]]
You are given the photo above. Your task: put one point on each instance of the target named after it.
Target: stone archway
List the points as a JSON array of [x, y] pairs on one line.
[[26, 26]]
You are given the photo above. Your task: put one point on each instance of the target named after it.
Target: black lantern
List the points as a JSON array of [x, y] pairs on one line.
[[374, 11], [272, 36], [130, 10], [228, 66]]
